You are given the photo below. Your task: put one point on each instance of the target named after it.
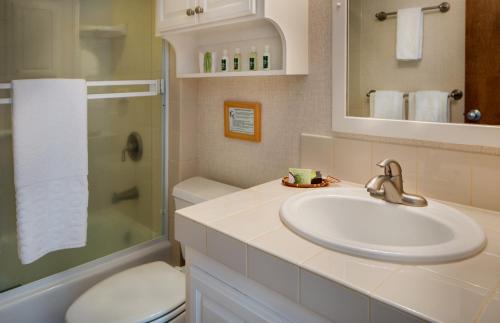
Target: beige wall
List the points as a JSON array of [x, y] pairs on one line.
[[183, 156], [302, 104], [291, 105], [373, 46]]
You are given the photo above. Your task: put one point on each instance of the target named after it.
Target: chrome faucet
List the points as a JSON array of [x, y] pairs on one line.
[[389, 186]]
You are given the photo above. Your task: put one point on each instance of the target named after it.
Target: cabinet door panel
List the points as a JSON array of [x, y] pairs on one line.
[[172, 14], [214, 10], [41, 38], [212, 301]]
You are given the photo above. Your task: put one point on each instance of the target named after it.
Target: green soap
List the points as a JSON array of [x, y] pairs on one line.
[[302, 175]]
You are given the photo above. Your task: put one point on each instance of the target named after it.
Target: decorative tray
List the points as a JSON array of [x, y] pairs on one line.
[[329, 180]]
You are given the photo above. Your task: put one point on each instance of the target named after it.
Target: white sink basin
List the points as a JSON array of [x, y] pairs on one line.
[[349, 220]]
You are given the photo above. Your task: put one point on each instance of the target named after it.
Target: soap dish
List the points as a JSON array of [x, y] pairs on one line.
[[329, 180]]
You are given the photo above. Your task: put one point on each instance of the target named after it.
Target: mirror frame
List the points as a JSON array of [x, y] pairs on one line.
[[451, 133]]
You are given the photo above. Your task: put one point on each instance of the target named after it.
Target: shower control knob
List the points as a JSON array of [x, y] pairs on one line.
[[190, 12], [198, 9], [474, 115]]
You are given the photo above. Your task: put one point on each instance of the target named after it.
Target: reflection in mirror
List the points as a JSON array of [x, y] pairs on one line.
[[422, 60]]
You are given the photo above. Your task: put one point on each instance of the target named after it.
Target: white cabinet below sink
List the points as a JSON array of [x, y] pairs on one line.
[[217, 294], [212, 301]]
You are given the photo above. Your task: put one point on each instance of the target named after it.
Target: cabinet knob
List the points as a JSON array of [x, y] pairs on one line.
[[198, 9], [190, 12]]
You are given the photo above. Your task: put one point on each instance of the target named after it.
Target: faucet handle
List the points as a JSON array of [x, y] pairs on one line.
[[391, 167]]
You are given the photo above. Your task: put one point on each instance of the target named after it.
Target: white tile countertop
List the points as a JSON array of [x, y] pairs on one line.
[[244, 232]]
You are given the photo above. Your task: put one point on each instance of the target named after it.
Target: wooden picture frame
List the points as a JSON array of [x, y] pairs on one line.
[[242, 120]]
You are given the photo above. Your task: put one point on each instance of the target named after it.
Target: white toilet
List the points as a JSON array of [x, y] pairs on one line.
[[153, 292]]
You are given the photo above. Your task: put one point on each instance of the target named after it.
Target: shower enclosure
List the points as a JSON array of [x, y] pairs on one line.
[[97, 40]]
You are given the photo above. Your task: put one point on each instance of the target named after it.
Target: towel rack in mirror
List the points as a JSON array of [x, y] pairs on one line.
[[456, 94], [155, 88], [443, 7]]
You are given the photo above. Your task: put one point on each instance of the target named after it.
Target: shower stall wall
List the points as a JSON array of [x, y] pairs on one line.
[[97, 40]]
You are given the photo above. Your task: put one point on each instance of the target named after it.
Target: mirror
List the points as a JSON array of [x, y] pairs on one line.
[[423, 60], [460, 51]]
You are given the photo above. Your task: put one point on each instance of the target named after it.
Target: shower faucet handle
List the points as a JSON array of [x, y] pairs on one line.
[[133, 147]]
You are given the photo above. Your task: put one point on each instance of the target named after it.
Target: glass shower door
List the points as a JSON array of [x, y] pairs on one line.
[[97, 40]]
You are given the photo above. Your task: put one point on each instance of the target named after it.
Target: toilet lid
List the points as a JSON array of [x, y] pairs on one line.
[[138, 294]]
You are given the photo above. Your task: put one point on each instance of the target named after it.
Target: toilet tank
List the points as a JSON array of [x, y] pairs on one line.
[[199, 189]]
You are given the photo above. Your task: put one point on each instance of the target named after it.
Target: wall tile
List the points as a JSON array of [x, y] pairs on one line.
[[493, 245], [218, 208], [363, 273], [485, 181], [444, 175], [427, 292], [405, 155], [492, 311], [253, 222], [352, 160], [332, 300], [482, 270], [226, 250], [284, 242], [383, 313], [191, 233], [274, 273], [316, 153]]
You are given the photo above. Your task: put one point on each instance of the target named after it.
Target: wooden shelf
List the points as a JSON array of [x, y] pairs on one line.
[[232, 74]]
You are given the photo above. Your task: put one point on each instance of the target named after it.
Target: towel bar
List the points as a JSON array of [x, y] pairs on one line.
[[155, 88], [456, 94], [443, 7]]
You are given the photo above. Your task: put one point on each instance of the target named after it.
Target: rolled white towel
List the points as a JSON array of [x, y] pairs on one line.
[[431, 106], [387, 105]]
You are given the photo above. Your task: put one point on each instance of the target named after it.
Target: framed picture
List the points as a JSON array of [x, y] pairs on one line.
[[242, 120]]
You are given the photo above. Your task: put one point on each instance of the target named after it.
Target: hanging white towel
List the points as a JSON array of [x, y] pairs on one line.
[[431, 106], [410, 34], [387, 105], [49, 118]]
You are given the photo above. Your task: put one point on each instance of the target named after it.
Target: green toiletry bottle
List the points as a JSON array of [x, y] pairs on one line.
[[266, 59], [237, 60], [252, 61], [207, 62], [223, 61]]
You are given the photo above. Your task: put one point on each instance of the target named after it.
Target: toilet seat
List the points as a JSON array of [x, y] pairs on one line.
[[154, 292]]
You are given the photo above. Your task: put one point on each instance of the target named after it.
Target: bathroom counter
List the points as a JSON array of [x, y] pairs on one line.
[[243, 232]]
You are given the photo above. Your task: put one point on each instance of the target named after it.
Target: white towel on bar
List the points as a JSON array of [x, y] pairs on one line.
[[431, 106], [49, 118], [410, 34], [387, 105]]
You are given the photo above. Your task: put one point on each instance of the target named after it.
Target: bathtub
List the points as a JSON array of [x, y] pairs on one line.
[[46, 300]]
